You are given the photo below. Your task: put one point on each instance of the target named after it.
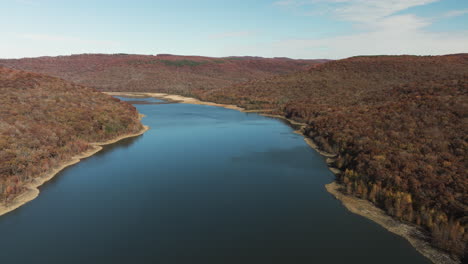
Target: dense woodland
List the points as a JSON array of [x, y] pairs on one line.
[[44, 121], [397, 124], [399, 127], [161, 73]]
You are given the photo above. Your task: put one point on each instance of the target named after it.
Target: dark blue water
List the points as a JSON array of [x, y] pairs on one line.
[[204, 185]]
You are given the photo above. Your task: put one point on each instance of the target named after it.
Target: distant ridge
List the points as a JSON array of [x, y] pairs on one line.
[[161, 73], [395, 125]]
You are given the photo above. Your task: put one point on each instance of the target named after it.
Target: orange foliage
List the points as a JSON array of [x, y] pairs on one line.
[[161, 73], [397, 123], [398, 127], [45, 120]]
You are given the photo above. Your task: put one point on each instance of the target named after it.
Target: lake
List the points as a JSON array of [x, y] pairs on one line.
[[204, 185]]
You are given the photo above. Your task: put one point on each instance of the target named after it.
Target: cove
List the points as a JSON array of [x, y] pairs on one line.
[[204, 185]]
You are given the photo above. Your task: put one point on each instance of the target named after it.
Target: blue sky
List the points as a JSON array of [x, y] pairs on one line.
[[270, 28]]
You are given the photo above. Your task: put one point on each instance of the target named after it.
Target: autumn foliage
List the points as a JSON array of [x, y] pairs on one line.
[[398, 125], [161, 73], [44, 121]]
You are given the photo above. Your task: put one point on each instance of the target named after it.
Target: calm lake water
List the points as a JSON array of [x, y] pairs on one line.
[[204, 185]]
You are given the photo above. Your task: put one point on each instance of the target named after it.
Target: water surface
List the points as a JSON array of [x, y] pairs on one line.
[[204, 185]]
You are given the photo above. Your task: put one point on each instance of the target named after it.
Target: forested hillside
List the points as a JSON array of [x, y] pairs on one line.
[[161, 73], [44, 121], [399, 127], [397, 124]]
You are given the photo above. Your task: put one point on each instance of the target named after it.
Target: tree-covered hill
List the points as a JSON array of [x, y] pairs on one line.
[[161, 73], [399, 127], [44, 121]]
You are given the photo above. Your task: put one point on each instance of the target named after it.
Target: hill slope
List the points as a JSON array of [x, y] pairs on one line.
[[162, 73], [44, 121], [398, 125]]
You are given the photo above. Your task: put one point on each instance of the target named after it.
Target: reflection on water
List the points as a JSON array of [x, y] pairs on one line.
[[292, 157], [122, 144], [204, 185]]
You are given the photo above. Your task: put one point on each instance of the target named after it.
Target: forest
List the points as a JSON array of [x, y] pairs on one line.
[[44, 121], [397, 125], [161, 73]]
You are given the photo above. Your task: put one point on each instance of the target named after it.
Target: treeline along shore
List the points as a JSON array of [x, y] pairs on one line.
[[416, 235], [47, 124], [395, 126]]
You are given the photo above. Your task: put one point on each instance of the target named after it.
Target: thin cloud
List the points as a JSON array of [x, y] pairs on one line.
[[370, 11], [454, 13], [235, 34], [358, 11], [379, 29], [26, 2], [285, 3], [395, 42]]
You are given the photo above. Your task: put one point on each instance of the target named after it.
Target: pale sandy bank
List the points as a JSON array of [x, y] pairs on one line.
[[364, 208], [411, 232], [173, 98], [33, 187]]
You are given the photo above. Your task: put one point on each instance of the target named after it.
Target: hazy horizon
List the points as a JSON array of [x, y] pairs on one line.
[[195, 55], [297, 29]]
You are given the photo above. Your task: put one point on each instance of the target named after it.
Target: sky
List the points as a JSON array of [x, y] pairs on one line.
[[307, 29]]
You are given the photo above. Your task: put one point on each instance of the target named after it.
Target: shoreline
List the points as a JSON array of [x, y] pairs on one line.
[[174, 98], [32, 188], [413, 234]]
